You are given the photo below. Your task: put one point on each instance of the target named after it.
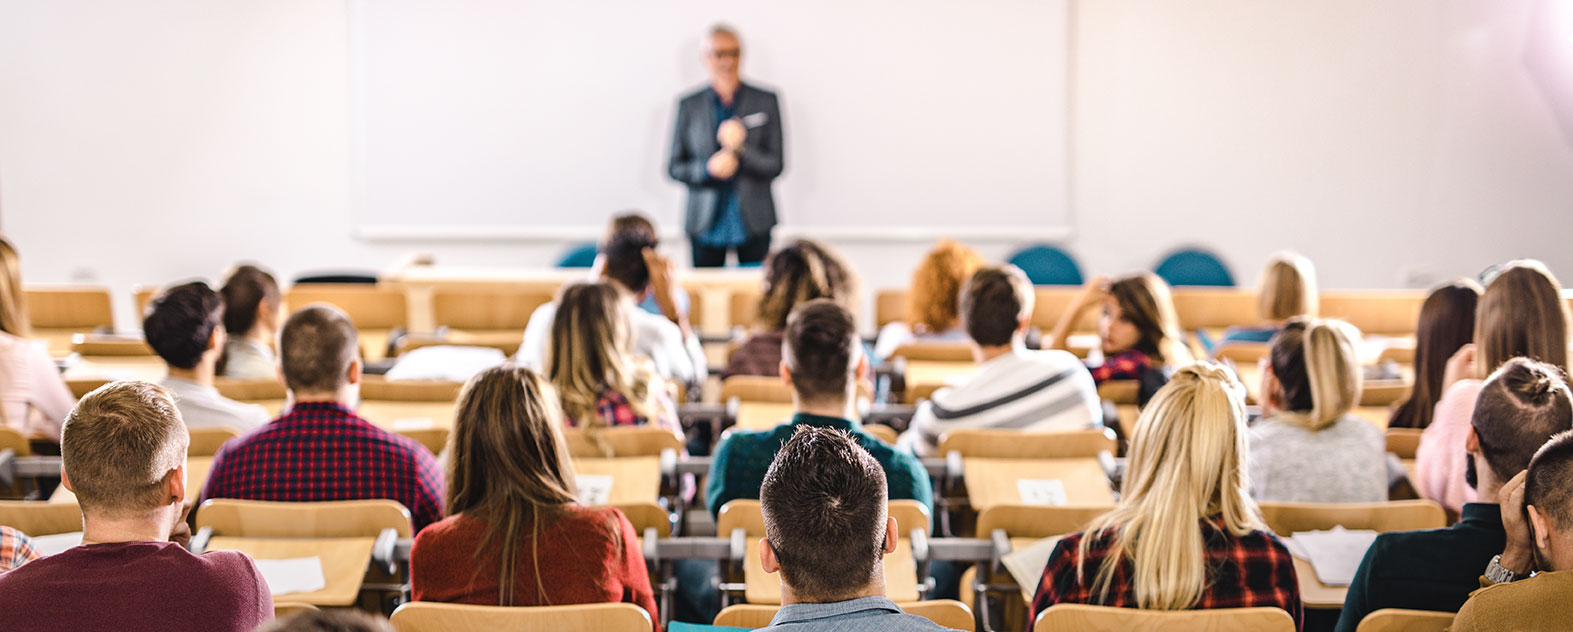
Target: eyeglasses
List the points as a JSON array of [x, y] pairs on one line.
[[721, 53]]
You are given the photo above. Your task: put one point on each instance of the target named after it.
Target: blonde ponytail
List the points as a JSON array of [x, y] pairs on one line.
[[1329, 367]]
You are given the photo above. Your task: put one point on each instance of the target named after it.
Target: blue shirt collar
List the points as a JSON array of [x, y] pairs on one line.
[[803, 612]]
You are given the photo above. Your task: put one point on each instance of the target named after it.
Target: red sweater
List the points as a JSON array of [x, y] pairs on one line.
[[580, 562]]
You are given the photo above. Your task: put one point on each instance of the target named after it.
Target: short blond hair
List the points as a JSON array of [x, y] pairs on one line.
[[1288, 287], [119, 444]]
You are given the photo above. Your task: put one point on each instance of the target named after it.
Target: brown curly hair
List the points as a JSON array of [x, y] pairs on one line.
[[936, 286]]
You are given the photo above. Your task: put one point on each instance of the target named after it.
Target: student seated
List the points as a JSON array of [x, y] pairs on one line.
[[1287, 290], [600, 383], [1014, 387], [515, 534], [827, 531], [1447, 323], [252, 310], [16, 549], [182, 327], [123, 451], [320, 449], [636, 223], [34, 398], [1138, 331], [1529, 586], [634, 267], [823, 363], [1185, 533], [796, 273], [1307, 448], [1521, 406], [1520, 314], [931, 301]]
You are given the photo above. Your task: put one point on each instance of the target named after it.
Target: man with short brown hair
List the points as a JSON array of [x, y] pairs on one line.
[[123, 450], [320, 449]]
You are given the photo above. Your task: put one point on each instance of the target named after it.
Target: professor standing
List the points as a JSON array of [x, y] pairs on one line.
[[727, 148]]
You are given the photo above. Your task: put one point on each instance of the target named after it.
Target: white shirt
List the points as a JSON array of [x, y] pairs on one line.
[[1023, 389], [655, 337], [35, 398], [249, 360], [895, 334], [203, 407]]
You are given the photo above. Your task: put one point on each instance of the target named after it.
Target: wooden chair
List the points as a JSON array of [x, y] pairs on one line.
[[429, 404], [622, 441], [1027, 444], [258, 390], [1383, 392], [375, 309], [91, 344], [756, 388], [40, 518], [1387, 312], [16, 442], [1215, 307], [379, 389], [647, 516], [1053, 301], [287, 609], [328, 519], [84, 385], [1242, 352], [889, 306], [76, 307], [743, 308], [762, 588], [1399, 620], [1403, 441], [882, 432], [959, 352], [470, 309], [207, 441], [1035, 521], [427, 616], [947, 613], [1286, 519], [1080, 617], [506, 341], [1120, 392]]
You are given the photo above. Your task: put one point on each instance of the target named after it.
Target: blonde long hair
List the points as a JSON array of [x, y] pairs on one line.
[[590, 353], [1187, 463], [13, 302], [1317, 368], [1288, 287]]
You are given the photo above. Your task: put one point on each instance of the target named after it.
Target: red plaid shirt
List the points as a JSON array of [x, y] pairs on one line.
[[1125, 365], [15, 549], [616, 410], [323, 451], [1248, 571]]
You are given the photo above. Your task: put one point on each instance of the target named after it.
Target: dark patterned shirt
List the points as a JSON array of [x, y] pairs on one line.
[[1242, 572], [1125, 365], [322, 451]]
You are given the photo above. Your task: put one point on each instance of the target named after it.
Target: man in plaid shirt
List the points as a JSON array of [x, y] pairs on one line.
[[320, 449], [15, 549]]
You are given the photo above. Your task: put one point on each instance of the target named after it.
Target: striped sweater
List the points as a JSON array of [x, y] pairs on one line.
[[1023, 389]]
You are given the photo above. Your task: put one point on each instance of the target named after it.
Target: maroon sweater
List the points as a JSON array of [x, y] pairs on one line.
[[580, 561], [134, 586]]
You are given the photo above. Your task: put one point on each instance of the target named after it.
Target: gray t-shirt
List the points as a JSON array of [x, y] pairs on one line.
[[1342, 463], [866, 614], [203, 407]]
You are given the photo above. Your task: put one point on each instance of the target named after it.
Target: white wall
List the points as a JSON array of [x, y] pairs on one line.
[[1395, 142]]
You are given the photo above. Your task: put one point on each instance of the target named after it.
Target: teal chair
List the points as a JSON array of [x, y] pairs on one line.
[[1047, 265], [580, 256], [1194, 267]]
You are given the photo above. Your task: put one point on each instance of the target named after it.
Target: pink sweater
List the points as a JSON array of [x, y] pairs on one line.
[[35, 399], [1440, 460]]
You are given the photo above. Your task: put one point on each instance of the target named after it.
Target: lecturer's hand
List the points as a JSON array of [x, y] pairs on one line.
[[731, 134], [722, 165]]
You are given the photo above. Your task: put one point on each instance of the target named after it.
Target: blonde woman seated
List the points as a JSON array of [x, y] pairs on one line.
[[1307, 448], [590, 362], [932, 300], [515, 534], [1287, 290], [1186, 533]]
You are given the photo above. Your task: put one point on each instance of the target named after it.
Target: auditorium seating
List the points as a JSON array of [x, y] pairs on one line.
[[424, 616], [1399, 620], [1077, 617], [945, 612]]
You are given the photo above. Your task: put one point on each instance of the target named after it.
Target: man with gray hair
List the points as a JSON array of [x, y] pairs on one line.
[[727, 148], [123, 450]]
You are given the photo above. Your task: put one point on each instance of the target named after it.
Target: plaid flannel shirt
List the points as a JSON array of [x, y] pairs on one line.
[[15, 549], [615, 409], [1125, 365], [322, 451], [1248, 571]]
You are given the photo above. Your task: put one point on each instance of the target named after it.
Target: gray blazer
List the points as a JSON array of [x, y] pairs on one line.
[[694, 141]]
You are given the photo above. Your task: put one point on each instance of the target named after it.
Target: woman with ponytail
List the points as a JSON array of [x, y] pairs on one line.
[[1185, 533], [798, 272], [1307, 447], [516, 534]]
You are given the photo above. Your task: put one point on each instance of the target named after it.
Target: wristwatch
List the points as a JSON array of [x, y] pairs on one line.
[[1499, 574]]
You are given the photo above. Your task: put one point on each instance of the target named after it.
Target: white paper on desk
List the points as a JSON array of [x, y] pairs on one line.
[[1041, 491], [1335, 554], [52, 544], [1026, 566], [445, 362], [594, 489], [297, 575], [413, 423]]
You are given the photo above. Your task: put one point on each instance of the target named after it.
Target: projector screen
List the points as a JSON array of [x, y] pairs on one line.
[[491, 118]]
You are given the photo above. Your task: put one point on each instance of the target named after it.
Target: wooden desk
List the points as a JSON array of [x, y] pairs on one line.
[[901, 575], [385, 413], [993, 481], [762, 415], [146, 368], [197, 469], [635, 479], [1315, 594], [344, 563], [930, 372]]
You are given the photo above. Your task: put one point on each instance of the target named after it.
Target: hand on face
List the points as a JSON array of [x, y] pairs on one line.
[[1518, 552]]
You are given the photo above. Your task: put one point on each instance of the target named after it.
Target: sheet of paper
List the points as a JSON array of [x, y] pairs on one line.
[[297, 575], [1041, 491], [594, 489], [413, 423], [1335, 555], [1026, 565], [52, 544], [445, 362]]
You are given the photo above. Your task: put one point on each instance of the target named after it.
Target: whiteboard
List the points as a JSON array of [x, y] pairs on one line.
[[489, 117]]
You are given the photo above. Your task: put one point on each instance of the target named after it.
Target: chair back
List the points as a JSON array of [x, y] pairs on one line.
[[1079, 617], [329, 519], [745, 514], [994, 443], [1047, 265], [947, 613], [79, 307], [624, 441], [251, 390], [1398, 515], [1399, 620], [41, 518], [1403, 441], [743, 308], [882, 432], [1194, 266], [369, 306], [16, 442], [1120, 391], [379, 389], [283, 609], [646, 515], [429, 616], [1035, 521], [579, 256], [756, 388], [890, 306], [935, 352], [486, 310], [207, 441], [1387, 312]]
